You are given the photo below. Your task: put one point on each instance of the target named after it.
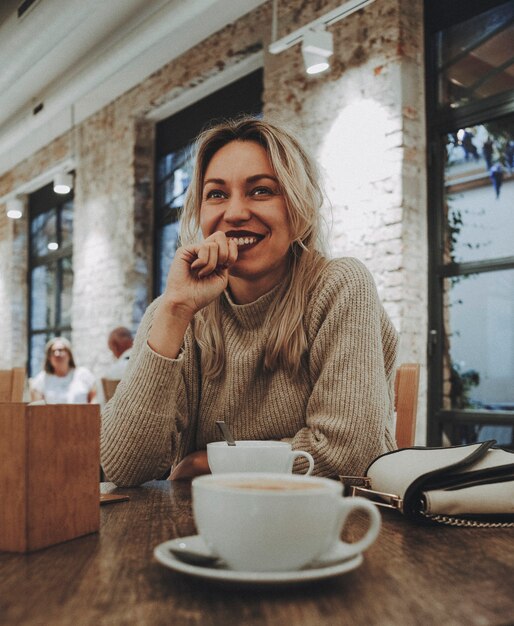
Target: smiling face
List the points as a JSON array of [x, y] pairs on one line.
[[241, 197]]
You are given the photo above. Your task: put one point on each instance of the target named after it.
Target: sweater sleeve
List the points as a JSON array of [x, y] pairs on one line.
[[351, 365], [142, 422]]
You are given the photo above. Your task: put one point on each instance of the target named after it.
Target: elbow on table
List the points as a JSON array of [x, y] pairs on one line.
[[123, 477], [128, 470]]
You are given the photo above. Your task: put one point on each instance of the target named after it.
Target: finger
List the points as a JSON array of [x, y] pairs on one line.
[[232, 253], [223, 249], [202, 257], [212, 261], [222, 241]]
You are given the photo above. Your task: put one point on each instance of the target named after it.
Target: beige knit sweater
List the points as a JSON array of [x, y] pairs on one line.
[[340, 407]]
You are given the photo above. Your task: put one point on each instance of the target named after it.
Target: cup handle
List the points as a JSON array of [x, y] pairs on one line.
[[375, 521], [295, 454]]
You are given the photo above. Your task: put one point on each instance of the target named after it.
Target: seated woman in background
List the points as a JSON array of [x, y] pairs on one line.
[[60, 381], [255, 327]]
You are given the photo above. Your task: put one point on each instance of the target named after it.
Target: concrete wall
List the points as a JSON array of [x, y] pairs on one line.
[[363, 120]]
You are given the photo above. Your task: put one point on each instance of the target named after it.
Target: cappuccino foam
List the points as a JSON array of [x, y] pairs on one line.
[[272, 485]]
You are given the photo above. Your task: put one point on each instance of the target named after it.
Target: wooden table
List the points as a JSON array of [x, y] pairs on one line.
[[412, 575]]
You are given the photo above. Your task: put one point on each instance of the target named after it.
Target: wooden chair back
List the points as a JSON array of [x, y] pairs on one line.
[[406, 387], [12, 383], [109, 386]]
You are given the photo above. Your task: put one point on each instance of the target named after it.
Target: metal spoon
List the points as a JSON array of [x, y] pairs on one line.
[[225, 431], [194, 557]]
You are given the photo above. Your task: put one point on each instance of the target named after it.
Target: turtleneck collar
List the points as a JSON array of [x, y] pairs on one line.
[[250, 315]]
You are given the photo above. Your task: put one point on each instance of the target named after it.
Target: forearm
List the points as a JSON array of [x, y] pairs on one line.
[[169, 326], [341, 447], [138, 422]]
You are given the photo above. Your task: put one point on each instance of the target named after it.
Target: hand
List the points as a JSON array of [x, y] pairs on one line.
[[199, 273], [194, 464]]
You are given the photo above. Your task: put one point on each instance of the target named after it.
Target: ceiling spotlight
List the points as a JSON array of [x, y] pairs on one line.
[[317, 47], [15, 208], [63, 183]]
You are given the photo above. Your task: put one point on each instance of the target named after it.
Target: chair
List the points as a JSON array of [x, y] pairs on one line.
[[406, 386], [109, 387], [12, 383]]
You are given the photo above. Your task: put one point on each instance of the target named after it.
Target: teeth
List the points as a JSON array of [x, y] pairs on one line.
[[242, 241]]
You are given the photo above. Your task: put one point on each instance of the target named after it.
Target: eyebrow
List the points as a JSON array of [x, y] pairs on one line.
[[250, 179]]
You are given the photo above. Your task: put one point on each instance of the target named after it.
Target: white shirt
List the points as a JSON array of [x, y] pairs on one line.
[[117, 369], [73, 388]]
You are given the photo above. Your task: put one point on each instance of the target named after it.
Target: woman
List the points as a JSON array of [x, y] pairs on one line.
[[255, 326], [60, 381]]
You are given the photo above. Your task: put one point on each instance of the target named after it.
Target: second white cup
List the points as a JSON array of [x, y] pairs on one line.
[[255, 456]]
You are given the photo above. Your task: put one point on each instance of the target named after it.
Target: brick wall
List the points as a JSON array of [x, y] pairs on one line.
[[363, 121]]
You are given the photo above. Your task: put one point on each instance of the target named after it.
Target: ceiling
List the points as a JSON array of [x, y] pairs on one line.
[[75, 56]]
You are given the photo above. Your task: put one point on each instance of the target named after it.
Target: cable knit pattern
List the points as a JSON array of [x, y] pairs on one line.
[[339, 408]]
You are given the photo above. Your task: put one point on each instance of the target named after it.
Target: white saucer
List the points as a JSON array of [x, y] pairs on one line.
[[222, 573]]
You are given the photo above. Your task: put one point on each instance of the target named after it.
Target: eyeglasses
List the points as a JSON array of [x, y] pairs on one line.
[[58, 350]]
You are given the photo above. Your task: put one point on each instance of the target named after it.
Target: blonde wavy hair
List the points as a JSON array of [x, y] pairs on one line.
[[298, 180]]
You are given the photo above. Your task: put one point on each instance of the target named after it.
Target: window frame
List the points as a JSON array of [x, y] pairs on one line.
[[42, 201]]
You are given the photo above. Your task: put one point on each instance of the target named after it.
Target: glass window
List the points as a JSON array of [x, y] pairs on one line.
[[476, 57], [480, 337], [175, 172], [479, 191], [470, 128], [477, 262], [43, 231], [37, 352], [167, 244], [43, 286], [50, 271]]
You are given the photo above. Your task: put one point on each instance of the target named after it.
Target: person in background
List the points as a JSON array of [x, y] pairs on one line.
[[61, 381], [256, 326], [120, 344]]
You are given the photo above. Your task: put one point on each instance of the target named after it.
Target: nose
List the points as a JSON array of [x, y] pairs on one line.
[[237, 210]]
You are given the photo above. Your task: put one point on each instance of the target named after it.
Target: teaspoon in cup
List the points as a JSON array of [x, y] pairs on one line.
[[225, 431]]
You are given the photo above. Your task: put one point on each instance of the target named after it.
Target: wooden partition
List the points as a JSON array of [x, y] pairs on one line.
[[49, 459], [11, 384]]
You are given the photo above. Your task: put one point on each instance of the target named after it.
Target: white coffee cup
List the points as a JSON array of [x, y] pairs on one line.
[[270, 522], [254, 456]]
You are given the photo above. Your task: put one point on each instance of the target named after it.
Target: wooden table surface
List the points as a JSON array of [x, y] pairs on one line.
[[411, 575]]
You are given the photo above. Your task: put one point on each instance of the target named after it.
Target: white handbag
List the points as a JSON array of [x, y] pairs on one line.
[[469, 485]]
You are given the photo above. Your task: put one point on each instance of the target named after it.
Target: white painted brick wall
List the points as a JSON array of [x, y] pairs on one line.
[[363, 121]]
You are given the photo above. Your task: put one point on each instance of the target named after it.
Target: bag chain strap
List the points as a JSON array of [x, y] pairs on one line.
[[457, 521]]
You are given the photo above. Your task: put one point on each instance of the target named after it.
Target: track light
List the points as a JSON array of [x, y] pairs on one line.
[[316, 41], [15, 208], [317, 47], [63, 182]]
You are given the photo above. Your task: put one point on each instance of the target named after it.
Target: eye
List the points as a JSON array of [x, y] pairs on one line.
[[215, 194], [262, 191]]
